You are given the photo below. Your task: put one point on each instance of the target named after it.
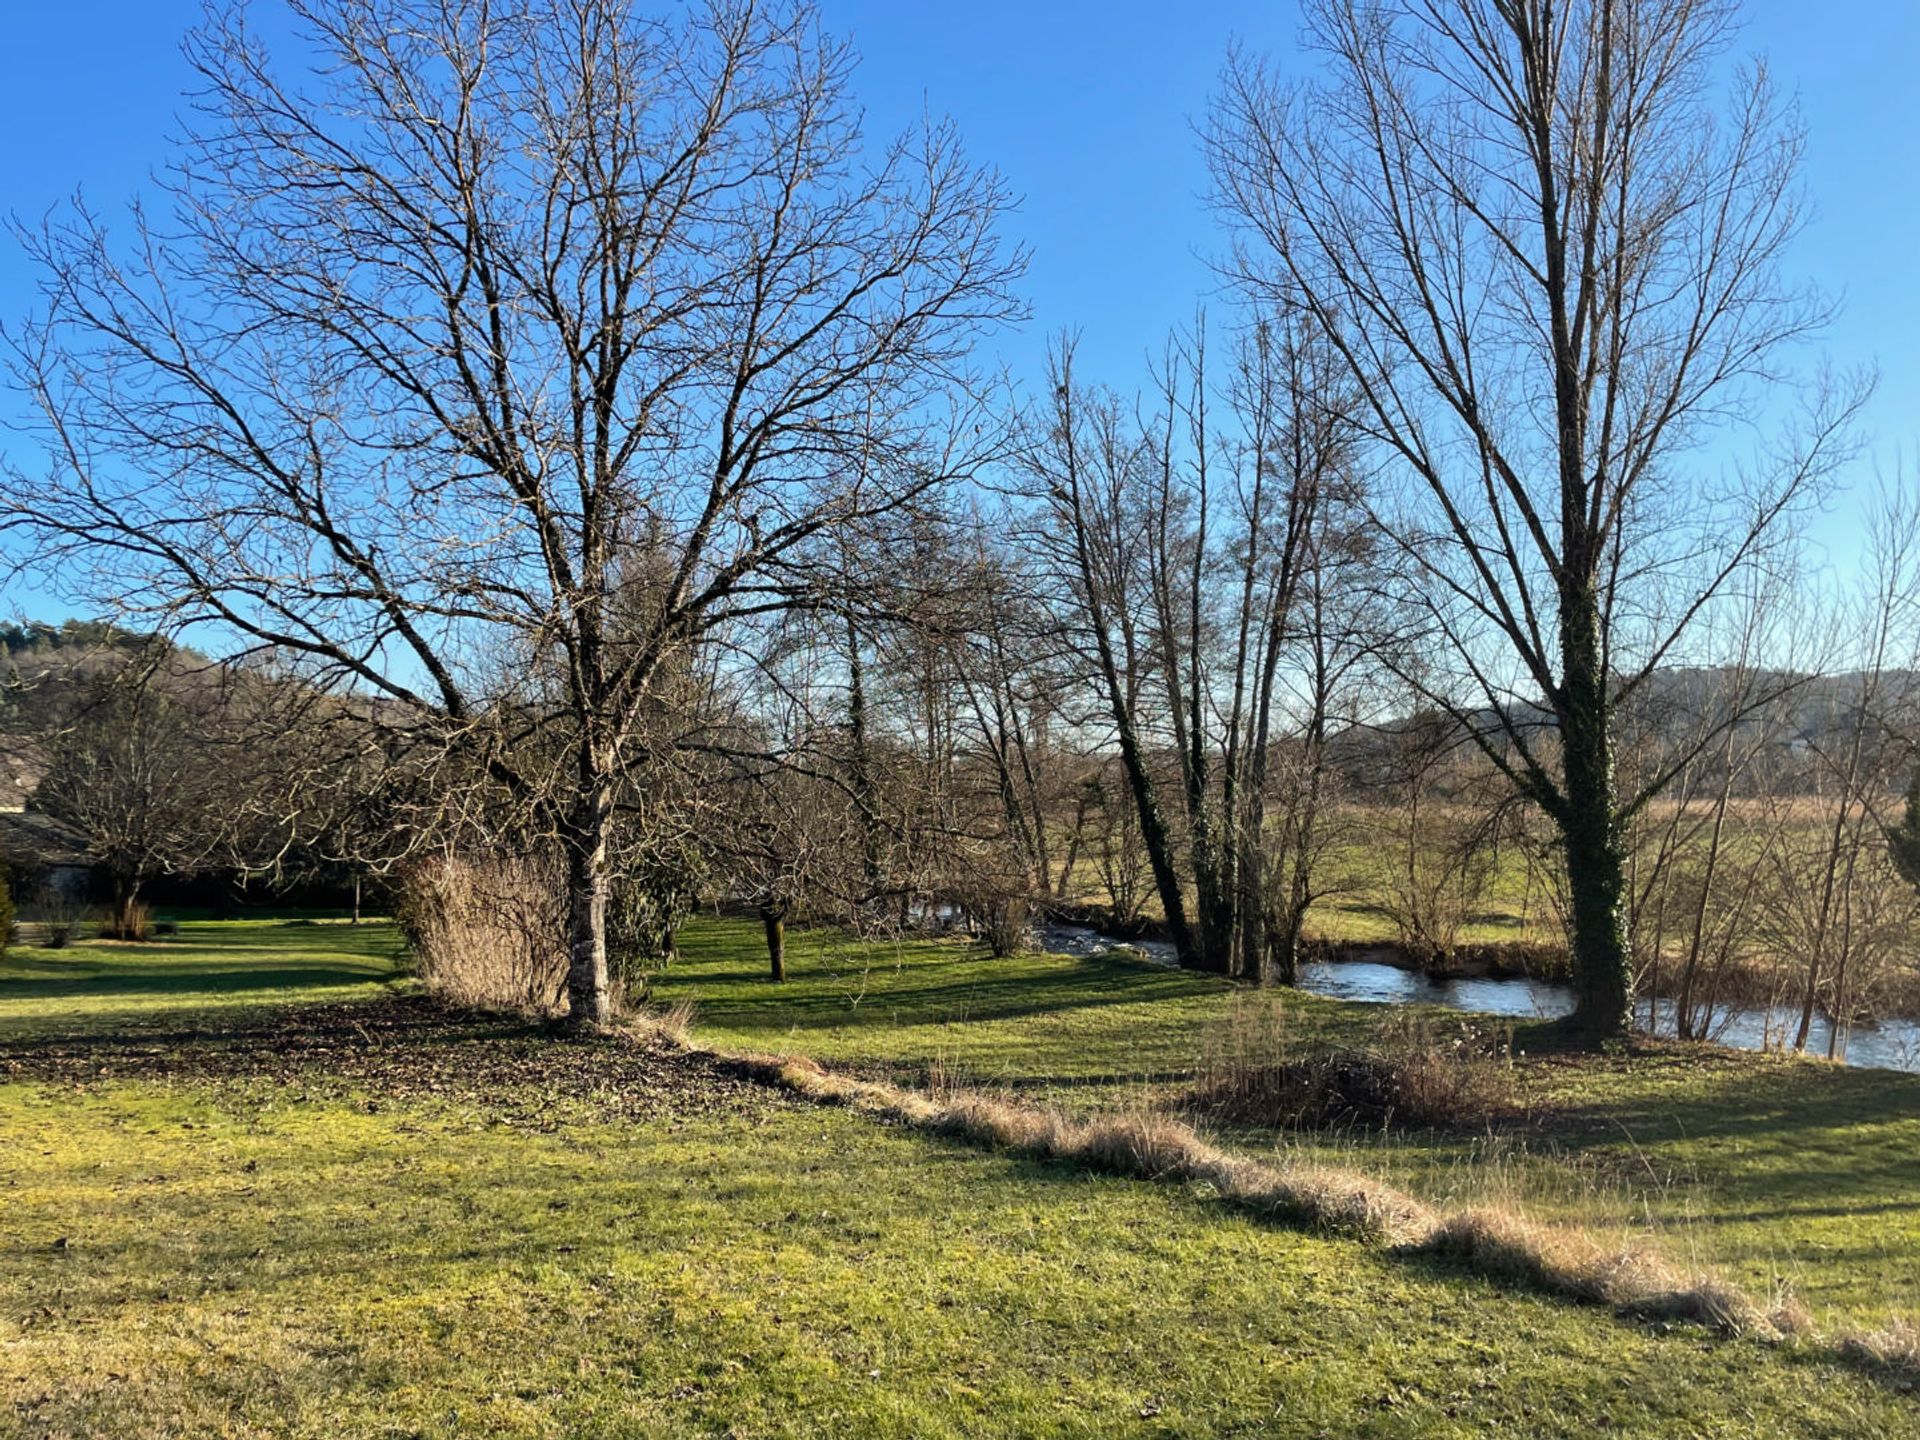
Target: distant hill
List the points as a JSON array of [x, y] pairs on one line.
[[1794, 717]]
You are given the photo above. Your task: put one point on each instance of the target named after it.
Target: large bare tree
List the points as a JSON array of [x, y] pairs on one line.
[[1551, 263], [480, 311]]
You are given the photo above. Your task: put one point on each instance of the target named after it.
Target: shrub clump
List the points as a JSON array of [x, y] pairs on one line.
[[6, 912], [1409, 1074], [132, 920], [487, 933], [60, 917]]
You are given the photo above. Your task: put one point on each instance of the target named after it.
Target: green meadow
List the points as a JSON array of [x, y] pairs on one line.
[[256, 1185]]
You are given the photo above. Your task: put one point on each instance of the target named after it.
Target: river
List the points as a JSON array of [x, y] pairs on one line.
[[1892, 1044]]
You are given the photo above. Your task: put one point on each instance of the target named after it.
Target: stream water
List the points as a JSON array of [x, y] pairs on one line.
[[1892, 1044]]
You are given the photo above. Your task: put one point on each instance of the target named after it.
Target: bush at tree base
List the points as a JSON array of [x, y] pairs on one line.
[[487, 933]]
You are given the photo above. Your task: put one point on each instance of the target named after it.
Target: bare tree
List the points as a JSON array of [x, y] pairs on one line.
[[135, 770], [504, 302], [1853, 750], [1091, 473], [1337, 632], [1684, 882], [1551, 267], [1183, 545], [1011, 680]]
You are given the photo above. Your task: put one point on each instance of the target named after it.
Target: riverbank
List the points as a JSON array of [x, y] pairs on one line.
[[1743, 1006]]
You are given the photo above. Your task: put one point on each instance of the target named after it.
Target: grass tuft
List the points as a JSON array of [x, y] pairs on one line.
[[1789, 1315], [1895, 1348], [1563, 1260], [670, 1025], [1145, 1146], [1508, 1246], [1707, 1300], [1004, 1126]]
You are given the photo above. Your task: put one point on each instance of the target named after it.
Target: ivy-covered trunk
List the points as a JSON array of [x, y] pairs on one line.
[[1589, 825]]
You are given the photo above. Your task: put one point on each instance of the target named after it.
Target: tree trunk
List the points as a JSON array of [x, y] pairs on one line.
[[1596, 858], [588, 1001], [776, 926], [1283, 943], [871, 842], [1159, 844], [1684, 1023], [1254, 940], [1079, 827], [1602, 964], [126, 901], [1823, 925], [1215, 900], [1283, 948]]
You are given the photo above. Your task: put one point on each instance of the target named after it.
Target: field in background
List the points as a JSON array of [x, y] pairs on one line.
[[1769, 882]]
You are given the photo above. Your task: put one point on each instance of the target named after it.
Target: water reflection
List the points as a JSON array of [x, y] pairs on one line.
[[1888, 1045]]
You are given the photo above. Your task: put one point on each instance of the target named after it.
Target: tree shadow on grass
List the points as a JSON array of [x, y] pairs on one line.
[[213, 964], [188, 977], [968, 991], [1744, 1101]]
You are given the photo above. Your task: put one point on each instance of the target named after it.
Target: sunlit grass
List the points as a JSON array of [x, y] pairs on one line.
[[1779, 1171], [201, 1257], [231, 1262], [210, 966]]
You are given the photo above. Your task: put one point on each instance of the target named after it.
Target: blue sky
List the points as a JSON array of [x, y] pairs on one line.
[[1088, 109]]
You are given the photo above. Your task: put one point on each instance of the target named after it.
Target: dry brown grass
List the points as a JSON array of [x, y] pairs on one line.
[[1343, 1202], [132, 921], [675, 1022], [1789, 1315], [1563, 1260], [1493, 1240], [993, 1122], [1896, 1348], [488, 935], [1412, 1073], [1508, 1246]]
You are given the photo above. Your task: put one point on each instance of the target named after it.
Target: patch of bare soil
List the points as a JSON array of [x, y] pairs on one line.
[[408, 1048]]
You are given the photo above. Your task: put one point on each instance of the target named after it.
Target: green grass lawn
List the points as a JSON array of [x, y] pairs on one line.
[[212, 966], [1775, 1170], [911, 1004], [240, 1265], [285, 1241]]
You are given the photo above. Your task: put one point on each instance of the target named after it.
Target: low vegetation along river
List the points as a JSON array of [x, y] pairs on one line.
[[1892, 1044]]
